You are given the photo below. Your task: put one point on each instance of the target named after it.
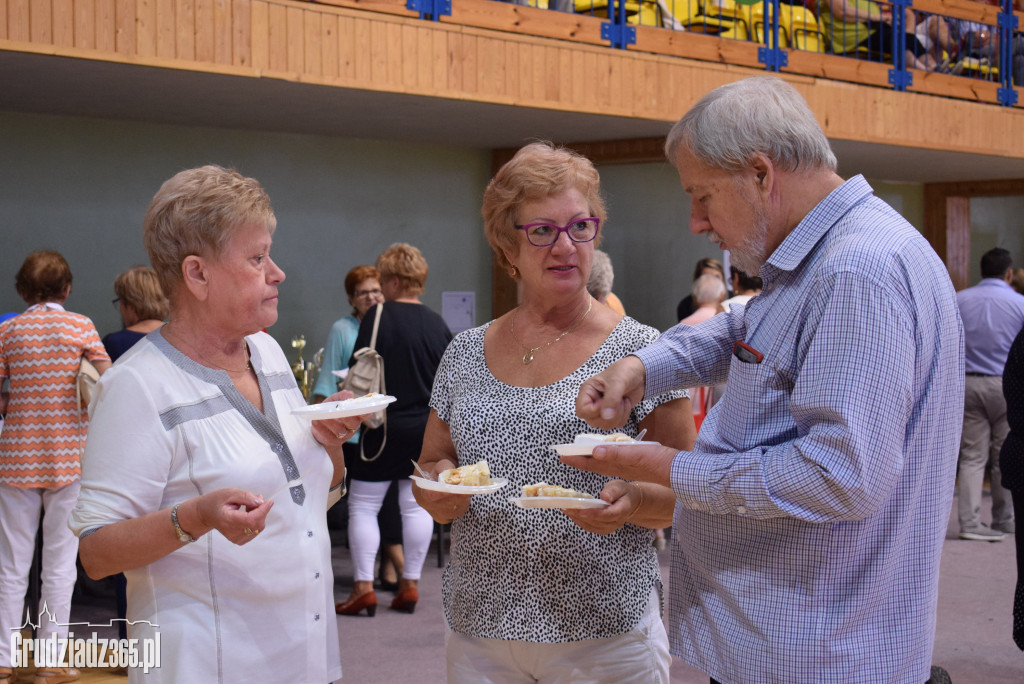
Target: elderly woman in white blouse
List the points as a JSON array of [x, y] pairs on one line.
[[199, 484], [546, 595]]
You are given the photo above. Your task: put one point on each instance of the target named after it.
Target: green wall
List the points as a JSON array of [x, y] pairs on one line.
[[81, 186]]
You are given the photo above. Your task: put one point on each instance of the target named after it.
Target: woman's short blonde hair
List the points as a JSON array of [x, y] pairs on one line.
[[537, 171], [196, 212], [43, 277], [405, 262], [139, 288]]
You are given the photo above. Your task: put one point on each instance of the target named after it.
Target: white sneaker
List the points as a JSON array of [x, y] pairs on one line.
[[982, 533]]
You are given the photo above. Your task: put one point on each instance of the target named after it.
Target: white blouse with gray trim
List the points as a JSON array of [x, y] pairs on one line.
[[165, 429], [529, 574]]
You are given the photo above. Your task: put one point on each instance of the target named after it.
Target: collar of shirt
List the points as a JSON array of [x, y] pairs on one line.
[[47, 306], [802, 239]]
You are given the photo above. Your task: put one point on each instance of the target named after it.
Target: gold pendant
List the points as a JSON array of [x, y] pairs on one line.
[[527, 357]]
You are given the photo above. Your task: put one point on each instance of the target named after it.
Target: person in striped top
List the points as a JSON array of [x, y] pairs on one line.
[[40, 351]]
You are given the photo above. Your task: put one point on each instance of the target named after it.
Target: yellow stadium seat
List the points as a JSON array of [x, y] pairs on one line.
[[731, 14], [759, 27], [801, 28], [687, 14]]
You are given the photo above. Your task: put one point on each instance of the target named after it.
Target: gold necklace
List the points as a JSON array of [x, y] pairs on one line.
[[528, 356]]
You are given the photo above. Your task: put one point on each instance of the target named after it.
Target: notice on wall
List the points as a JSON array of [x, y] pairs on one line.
[[459, 310]]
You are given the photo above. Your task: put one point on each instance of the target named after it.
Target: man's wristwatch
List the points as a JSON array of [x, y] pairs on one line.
[[183, 536]]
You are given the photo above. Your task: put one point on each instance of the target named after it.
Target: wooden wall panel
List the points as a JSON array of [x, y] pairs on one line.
[[63, 23], [3, 19], [145, 28], [204, 31], [312, 58], [185, 29], [40, 21], [125, 20], [18, 21], [440, 51], [346, 48], [329, 45], [106, 28], [391, 36], [278, 43], [259, 30], [296, 29], [241, 36], [362, 57], [166, 29], [85, 24], [222, 53]]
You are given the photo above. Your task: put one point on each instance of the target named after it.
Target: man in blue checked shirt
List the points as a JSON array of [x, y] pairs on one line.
[[810, 515]]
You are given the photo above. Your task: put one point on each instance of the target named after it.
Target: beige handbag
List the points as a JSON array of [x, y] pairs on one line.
[[85, 390]]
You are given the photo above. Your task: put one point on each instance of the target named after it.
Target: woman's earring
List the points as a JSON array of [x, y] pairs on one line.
[[515, 271]]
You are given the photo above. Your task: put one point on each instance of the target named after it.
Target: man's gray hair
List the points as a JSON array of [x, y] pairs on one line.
[[708, 289], [733, 123], [601, 276]]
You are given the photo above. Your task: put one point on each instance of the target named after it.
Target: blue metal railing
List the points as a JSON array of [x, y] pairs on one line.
[[889, 31]]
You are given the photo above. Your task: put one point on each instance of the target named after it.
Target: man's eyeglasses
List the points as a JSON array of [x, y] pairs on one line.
[[366, 293], [542, 234], [117, 303]]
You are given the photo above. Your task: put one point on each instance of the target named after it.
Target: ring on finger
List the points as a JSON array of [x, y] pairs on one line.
[[247, 531]]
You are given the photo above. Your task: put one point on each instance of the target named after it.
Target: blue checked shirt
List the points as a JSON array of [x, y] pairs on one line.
[[810, 514]]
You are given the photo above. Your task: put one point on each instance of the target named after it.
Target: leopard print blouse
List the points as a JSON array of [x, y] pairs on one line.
[[532, 574]]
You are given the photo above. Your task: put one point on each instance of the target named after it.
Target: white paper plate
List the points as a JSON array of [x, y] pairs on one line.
[[496, 484], [587, 449], [556, 502], [357, 406]]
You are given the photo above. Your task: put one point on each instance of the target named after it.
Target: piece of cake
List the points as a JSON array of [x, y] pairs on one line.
[[602, 439], [475, 475], [545, 489]]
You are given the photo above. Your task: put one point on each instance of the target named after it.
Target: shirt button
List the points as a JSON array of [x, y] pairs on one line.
[[316, 575], [742, 510], [309, 533], [316, 617], [278, 447]]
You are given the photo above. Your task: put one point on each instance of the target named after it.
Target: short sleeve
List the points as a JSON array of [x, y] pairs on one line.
[[92, 347]]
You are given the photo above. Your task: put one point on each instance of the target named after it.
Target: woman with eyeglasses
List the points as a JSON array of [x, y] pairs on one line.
[[362, 285], [547, 595], [411, 339], [142, 305]]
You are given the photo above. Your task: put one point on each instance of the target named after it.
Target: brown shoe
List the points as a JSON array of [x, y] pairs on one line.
[[355, 605], [56, 675], [405, 600]]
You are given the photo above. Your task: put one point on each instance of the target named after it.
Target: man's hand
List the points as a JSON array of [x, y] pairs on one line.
[[651, 463], [606, 399]]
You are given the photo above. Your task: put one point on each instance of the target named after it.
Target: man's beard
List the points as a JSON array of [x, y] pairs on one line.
[[750, 254]]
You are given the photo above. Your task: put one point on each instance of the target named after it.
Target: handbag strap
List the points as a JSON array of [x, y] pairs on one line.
[[376, 324]]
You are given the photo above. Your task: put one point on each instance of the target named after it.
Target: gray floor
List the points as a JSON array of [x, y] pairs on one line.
[[972, 642]]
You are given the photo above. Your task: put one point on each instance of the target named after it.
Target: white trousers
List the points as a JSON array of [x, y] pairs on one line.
[[640, 656], [19, 521], [364, 502]]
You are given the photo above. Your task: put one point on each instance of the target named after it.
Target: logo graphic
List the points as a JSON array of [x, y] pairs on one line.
[[92, 651]]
